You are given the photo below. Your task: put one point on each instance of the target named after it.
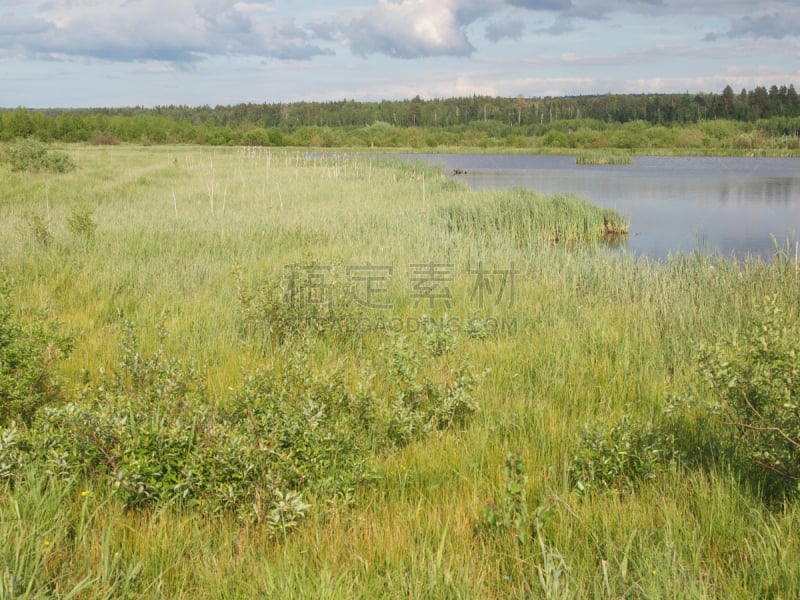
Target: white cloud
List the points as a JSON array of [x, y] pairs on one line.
[[208, 51], [424, 28], [512, 30], [408, 29], [175, 31], [160, 67], [191, 30]]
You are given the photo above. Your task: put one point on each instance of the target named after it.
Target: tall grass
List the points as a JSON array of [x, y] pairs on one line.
[[529, 218], [603, 159], [592, 336]]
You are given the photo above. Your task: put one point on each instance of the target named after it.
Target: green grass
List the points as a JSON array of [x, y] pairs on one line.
[[591, 337], [530, 218], [603, 159]]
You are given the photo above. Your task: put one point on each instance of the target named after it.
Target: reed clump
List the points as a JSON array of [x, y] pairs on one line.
[[603, 159], [527, 217]]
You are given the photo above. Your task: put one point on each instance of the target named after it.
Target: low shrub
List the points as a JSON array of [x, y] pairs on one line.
[[512, 528], [510, 514], [620, 459], [31, 155], [290, 435], [28, 355], [417, 404], [39, 228], [81, 222], [754, 380]]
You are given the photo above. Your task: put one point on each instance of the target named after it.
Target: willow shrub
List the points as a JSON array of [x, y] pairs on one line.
[[31, 155], [289, 436], [29, 351], [754, 380]]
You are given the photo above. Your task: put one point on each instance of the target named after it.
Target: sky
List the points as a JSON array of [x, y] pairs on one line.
[[111, 53]]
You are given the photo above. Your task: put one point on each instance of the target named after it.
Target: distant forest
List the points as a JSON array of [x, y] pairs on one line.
[[750, 119]]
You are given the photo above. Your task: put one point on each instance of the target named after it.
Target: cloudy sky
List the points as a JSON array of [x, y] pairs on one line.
[[84, 53]]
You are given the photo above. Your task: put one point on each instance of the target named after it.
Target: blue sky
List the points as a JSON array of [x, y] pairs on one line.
[[89, 53]]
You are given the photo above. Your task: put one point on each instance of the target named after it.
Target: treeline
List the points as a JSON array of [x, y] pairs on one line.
[[744, 120], [661, 109]]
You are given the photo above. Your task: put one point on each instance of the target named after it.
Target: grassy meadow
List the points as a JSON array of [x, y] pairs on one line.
[[525, 411]]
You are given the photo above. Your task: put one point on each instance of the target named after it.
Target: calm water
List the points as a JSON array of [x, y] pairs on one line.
[[675, 204]]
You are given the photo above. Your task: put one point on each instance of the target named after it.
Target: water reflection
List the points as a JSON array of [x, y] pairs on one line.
[[675, 204]]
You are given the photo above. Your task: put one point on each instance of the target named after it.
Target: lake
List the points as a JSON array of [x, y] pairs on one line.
[[675, 204]]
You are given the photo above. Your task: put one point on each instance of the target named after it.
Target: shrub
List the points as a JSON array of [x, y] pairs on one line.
[[40, 230], [620, 459], [510, 513], [419, 405], [314, 434], [289, 433], [148, 428], [11, 456], [437, 336], [81, 222], [754, 378], [513, 526], [554, 139], [28, 353], [31, 155]]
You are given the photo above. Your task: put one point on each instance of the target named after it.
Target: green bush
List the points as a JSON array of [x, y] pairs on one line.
[[289, 433], [621, 458], [149, 429], [754, 378], [512, 527], [509, 513], [39, 228], [31, 155], [554, 139], [81, 222], [28, 354], [418, 405]]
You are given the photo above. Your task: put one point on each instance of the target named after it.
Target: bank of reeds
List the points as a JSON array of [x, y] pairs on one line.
[[528, 218]]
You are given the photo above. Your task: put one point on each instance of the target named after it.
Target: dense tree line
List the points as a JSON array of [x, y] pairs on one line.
[[575, 121]]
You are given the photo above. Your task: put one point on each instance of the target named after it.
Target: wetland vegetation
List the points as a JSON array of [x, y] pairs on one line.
[[244, 372], [603, 159], [760, 121]]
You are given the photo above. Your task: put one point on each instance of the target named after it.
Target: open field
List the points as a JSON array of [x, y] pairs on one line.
[[440, 392]]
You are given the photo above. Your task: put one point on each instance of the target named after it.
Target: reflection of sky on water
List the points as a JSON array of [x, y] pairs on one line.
[[675, 204]]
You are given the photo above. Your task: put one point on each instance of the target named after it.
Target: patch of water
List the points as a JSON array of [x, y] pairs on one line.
[[732, 206]]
